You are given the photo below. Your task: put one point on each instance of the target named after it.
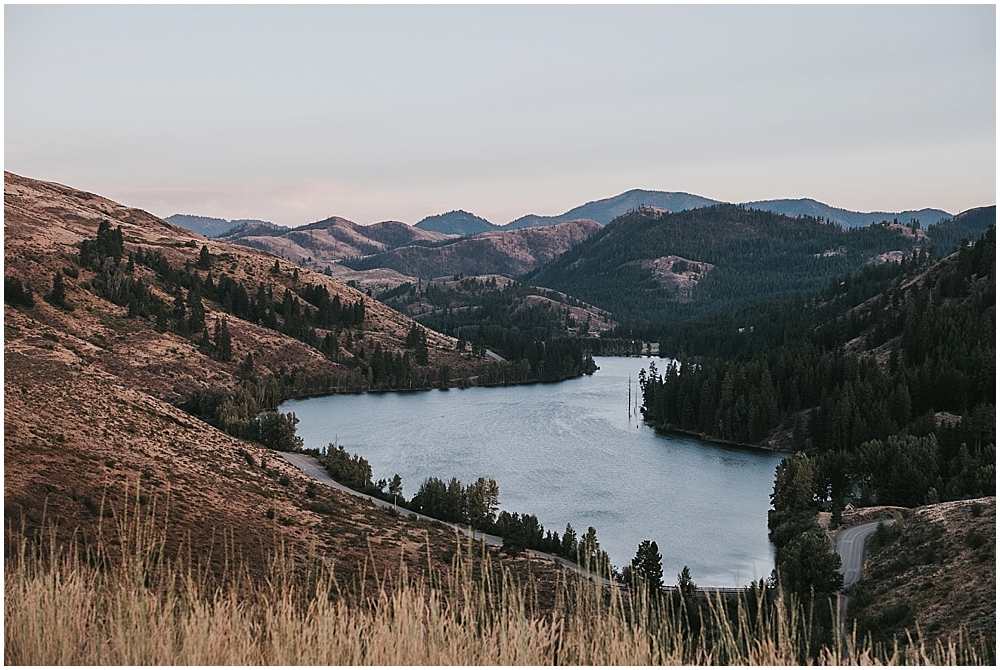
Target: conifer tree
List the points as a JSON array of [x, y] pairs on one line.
[[58, 295]]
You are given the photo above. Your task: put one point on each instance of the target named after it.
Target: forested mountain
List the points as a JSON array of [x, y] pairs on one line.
[[213, 227], [844, 217], [251, 229], [450, 304], [886, 380], [978, 218], [505, 252], [457, 222], [325, 242], [606, 210], [649, 267]]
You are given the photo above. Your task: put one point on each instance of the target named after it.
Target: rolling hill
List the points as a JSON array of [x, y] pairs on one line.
[[606, 210], [325, 242], [844, 217], [212, 227], [504, 252], [152, 320], [978, 218], [458, 222]]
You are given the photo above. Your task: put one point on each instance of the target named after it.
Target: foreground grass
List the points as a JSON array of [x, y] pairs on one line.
[[72, 607]]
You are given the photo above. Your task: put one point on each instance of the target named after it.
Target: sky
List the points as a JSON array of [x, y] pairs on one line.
[[371, 112]]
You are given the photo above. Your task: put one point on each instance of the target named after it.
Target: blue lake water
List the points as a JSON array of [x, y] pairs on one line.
[[568, 452]]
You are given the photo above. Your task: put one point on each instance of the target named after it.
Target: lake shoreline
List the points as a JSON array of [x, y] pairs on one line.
[[569, 453], [667, 430], [323, 394]]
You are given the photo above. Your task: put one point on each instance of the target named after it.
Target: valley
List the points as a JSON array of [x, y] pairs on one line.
[[149, 372]]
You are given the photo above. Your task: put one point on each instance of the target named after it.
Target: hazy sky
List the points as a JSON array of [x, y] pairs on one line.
[[293, 114]]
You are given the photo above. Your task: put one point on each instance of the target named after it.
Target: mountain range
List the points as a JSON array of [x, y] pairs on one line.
[[505, 252], [459, 222], [653, 265], [325, 242]]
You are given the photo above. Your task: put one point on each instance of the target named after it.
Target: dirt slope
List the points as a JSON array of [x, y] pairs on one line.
[[89, 421], [933, 570]]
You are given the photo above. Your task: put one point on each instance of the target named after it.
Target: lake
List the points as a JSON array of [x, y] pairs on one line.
[[568, 452]]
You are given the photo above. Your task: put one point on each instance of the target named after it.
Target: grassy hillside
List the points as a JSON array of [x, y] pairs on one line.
[[934, 570], [153, 319]]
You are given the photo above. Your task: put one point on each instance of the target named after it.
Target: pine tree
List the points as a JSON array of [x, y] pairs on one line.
[[246, 370], [685, 585], [223, 341], [204, 259], [16, 293], [647, 566], [58, 295]]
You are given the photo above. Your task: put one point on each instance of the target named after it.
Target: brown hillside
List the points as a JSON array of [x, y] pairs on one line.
[[504, 252], [933, 570], [44, 226], [88, 413], [323, 243]]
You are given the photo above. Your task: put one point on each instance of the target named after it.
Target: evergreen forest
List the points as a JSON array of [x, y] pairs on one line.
[[885, 380]]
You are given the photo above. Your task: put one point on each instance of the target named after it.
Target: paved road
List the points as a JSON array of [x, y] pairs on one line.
[[850, 544], [310, 466], [495, 356]]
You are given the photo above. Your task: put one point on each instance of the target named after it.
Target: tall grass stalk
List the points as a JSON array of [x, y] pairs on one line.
[[66, 606]]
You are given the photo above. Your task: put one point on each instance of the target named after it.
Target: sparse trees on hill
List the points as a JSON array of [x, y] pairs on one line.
[[223, 341], [205, 259], [15, 293], [57, 297]]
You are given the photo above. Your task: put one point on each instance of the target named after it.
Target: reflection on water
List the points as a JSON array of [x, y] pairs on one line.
[[569, 453]]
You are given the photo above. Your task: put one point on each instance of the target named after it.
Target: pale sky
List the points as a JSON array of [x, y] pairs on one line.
[[294, 114]]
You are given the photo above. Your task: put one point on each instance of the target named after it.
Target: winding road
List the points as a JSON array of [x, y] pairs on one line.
[[311, 467], [850, 545]]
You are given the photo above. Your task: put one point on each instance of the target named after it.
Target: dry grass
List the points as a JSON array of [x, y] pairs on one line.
[[84, 606]]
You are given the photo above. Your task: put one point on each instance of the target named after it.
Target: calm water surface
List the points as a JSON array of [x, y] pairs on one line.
[[569, 453]]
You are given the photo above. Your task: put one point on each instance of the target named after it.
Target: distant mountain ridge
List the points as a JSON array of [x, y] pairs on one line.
[[462, 223], [503, 252], [210, 226], [844, 217], [606, 210], [325, 242], [457, 222], [717, 257]]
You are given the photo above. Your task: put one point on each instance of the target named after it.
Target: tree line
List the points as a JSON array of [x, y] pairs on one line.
[[892, 397]]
